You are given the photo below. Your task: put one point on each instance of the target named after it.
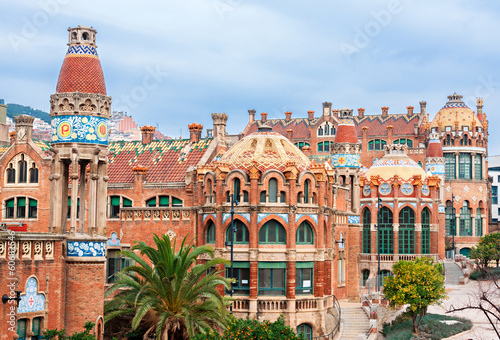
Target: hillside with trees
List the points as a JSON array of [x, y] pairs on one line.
[[17, 109]]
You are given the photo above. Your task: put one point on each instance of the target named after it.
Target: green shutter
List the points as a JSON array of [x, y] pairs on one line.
[[176, 201], [150, 203], [239, 265], [164, 201], [272, 265], [21, 201], [115, 200], [10, 203], [309, 264], [127, 202], [33, 203]]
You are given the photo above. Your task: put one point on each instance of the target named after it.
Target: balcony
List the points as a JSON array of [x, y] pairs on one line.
[[395, 257]]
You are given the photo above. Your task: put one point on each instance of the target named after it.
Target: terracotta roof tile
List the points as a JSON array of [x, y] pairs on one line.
[[377, 125]]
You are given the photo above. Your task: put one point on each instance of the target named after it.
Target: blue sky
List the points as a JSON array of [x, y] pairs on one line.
[[234, 55]]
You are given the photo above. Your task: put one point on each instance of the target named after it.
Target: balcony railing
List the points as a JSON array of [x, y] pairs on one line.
[[160, 213], [395, 257], [306, 304]]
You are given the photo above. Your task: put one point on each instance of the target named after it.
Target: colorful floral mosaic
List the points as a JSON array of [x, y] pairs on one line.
[[345, 160], [80, 129], [31, 301], [114, 241], [86, 248]]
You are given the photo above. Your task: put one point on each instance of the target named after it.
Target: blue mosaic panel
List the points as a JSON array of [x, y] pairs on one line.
[[345, 160], [80, 129], [86, 248], [313, 216], [260, 217], [205, 216], [114, 241], [32, 301], [352, 219], [435, 169], [82, 50], [246, 216], [441, 208]]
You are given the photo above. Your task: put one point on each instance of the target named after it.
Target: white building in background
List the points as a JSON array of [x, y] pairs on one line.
[[494, 173]]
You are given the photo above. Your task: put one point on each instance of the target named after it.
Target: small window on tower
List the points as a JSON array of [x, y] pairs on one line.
[[85, 36]]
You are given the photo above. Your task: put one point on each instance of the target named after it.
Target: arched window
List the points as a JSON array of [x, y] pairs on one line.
[[408, 142], [465, 220], [479, 223], [324, 147], [305, 330], [273, 190], [23, 170], [320, 131], [367, 240], [449, 219], [406, 234], [11, 174], [300, 145], [365, 274], [176, 202], [464, 166], [305, 234], [151, 202], [209, 196], [376, 144], [386, 242], [426, 231], [211, 233], [236, 189], [85, 36], [478, 167], [306, 191], [241, 236], [9, 208], [33, 174], [164, 201], [327, 129], [116, 202], [272, 232]]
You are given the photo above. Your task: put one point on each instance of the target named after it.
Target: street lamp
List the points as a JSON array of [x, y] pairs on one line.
[[379, 203], [233, 230], [6, 298], [453, 220]]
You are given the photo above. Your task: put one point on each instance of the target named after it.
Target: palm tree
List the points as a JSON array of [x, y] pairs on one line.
[[170, 294]]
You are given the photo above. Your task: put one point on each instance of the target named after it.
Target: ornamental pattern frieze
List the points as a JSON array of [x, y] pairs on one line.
[[246, 216], [86, 249], [260, 217], [313, 216]]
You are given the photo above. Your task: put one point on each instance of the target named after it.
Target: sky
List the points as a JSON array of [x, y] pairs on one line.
[[172, 63]]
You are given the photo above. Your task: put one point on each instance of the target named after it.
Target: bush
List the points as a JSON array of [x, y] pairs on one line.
[[431, 327], [491, 273], [243, 329]]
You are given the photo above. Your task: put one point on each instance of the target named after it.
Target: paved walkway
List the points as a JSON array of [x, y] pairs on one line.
[[453, 273]]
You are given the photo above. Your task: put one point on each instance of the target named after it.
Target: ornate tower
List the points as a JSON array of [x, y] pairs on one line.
[[345, 156], [80, 111]]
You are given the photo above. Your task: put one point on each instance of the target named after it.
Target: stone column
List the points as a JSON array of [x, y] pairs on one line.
[[74, 191], [57, 202], [81, 189], [473, 165], [102, 193], [473, 226], [93, 177], [457, 165]]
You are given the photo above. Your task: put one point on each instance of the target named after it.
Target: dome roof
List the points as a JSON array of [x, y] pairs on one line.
[[81, 69], [455, 110], [395, 162], [266, 150], [346, 131]]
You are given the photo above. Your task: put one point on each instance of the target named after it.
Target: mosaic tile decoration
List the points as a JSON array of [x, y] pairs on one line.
[[80, 129], [441, 209], [86, 249], [313, 216], [205, 216], [246, 216], [352, 219], [113, 241], [31, 301], [260, 217], [345, 161], [435, 169], [82, 49]]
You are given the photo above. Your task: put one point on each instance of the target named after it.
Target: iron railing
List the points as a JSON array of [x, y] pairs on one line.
[[331, 335]]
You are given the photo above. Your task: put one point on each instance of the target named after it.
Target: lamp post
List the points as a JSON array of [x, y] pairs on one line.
[[379, 203], [454, 222], [233, 230]]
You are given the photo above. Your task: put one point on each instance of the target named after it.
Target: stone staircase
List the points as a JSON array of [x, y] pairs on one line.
[[453, 273], [355, 322]]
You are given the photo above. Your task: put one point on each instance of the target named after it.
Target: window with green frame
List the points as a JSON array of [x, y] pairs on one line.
[[300, 145], [273, 190], [367, 239], [36, 328], [272, 232], [21, 207], [449, 140], [241, 272], [236, 189], [386, 242], [478, 167], [465, 220], [68, 215], [408, 142], [151, 202], [449, 219], [464, 166], [304, 272], [176, 202], [479, 223], [365, 275], [406, 233], [426, 231], [115, 264], [305, 234], [21, 329], [9, 208], [241, 235], [164, 201], [272, 278], [324, 146], [211, 233], [305, 330], [116, 203], [376, 144], [306, 191], [450, 166]]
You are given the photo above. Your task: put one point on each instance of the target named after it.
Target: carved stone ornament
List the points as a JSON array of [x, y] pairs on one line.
[[291, 255], [171, 234], [254, 254]]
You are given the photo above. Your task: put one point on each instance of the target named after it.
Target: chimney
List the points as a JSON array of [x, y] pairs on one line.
[[24, 128], [306, 150], [410, 110], [220, 121], [389, 133], [263, 116], [288, 116], [310, 114], [139, 173], [336, 112], [251, 116], [289, 133], [195, 131], [327, 109], [147, 132], [12, 136], [385, 111], [423, 104], [361, 112]]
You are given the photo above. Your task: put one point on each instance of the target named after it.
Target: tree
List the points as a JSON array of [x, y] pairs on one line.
[[419, 283], [170, 295], [243, 329], [55, 334], [487, 250]]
